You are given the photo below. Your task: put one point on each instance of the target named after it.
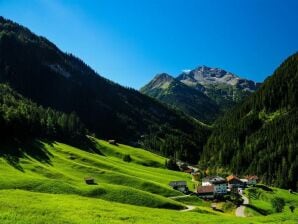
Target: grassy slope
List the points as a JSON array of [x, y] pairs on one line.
[[50, 188], [66, 166], [260, 203]]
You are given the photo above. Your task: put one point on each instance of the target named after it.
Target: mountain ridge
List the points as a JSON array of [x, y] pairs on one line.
[[169, 90], [38, 70], [216, 90]]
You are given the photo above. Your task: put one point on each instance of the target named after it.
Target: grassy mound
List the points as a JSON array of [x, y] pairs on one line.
[[115, 180]]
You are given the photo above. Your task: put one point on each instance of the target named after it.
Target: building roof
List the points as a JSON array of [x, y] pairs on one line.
[[251, 177], [188, 170], [232, 177], [214, 179], [180, 183], [205, 189]]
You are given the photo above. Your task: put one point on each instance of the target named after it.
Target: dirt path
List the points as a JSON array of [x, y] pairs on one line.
[[181, 196], [240, 210], [189, 208]]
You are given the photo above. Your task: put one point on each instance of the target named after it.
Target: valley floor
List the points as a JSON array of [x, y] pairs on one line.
[[47, 186]]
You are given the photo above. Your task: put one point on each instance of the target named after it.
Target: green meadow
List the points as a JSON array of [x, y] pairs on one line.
[[43, 182]]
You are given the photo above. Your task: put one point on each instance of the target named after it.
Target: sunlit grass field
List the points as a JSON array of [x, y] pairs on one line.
[[48, 187]]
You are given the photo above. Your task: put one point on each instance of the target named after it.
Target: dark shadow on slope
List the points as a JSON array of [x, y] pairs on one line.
[[84, 143], [264, 187], [12, 151], [88, 144], [259, 210]]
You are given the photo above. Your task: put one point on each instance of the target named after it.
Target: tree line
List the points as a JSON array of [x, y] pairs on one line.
[[22, 119]]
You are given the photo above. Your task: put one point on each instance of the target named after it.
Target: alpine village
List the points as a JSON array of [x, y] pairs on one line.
[[202, 146]]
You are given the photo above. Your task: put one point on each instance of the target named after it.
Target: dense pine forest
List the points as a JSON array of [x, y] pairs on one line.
[[21, 120], [260, 136]]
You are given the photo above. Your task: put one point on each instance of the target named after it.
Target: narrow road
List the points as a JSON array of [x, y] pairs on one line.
[[189, 208], [240, 210], [180, 196]]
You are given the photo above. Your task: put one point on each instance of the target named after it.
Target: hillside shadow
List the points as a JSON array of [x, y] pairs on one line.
[[218, 210], [13, 151], [259, 210], [263, 187], [87, 144]]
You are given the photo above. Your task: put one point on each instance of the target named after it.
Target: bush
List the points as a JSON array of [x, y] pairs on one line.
[[127, 158], [278, 204], [171, 164], [228, 206]]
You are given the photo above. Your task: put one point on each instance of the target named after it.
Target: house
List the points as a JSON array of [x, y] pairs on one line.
[[252, 180], [206, 192], [179, 186], [219, 185], [234, 182], [245, 182]]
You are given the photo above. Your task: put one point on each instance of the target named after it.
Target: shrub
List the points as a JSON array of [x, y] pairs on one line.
[[171, 164], [278, 204], [127, 158]]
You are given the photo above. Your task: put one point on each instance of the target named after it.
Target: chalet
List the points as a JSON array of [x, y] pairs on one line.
[[234, 182], [252, 180], [244, 181], [206, 192], [219, 183], [179, 186]]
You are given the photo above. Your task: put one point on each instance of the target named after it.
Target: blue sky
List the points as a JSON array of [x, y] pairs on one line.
[[129, 41]]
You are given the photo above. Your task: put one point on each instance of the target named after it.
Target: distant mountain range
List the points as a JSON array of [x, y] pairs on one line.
[[203, 93]]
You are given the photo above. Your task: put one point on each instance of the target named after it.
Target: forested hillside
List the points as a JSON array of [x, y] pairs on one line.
[[180, 96], [260, 136], [21, 119], [38, 70]]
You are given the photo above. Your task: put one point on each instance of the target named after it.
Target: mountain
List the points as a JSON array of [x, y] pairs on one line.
[[178, 95], [260, 136], [38, 70], [223, 87], [203, 93]]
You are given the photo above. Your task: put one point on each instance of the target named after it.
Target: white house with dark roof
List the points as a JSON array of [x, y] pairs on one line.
[[219, 183]]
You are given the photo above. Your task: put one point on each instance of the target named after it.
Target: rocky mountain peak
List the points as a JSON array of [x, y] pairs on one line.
[[204, 75], [161, 80]]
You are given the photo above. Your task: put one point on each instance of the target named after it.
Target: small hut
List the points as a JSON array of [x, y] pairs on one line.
[[112, 142], [89, 180]]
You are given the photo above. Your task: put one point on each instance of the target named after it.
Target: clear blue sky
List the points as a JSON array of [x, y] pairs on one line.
[[129, 41]]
